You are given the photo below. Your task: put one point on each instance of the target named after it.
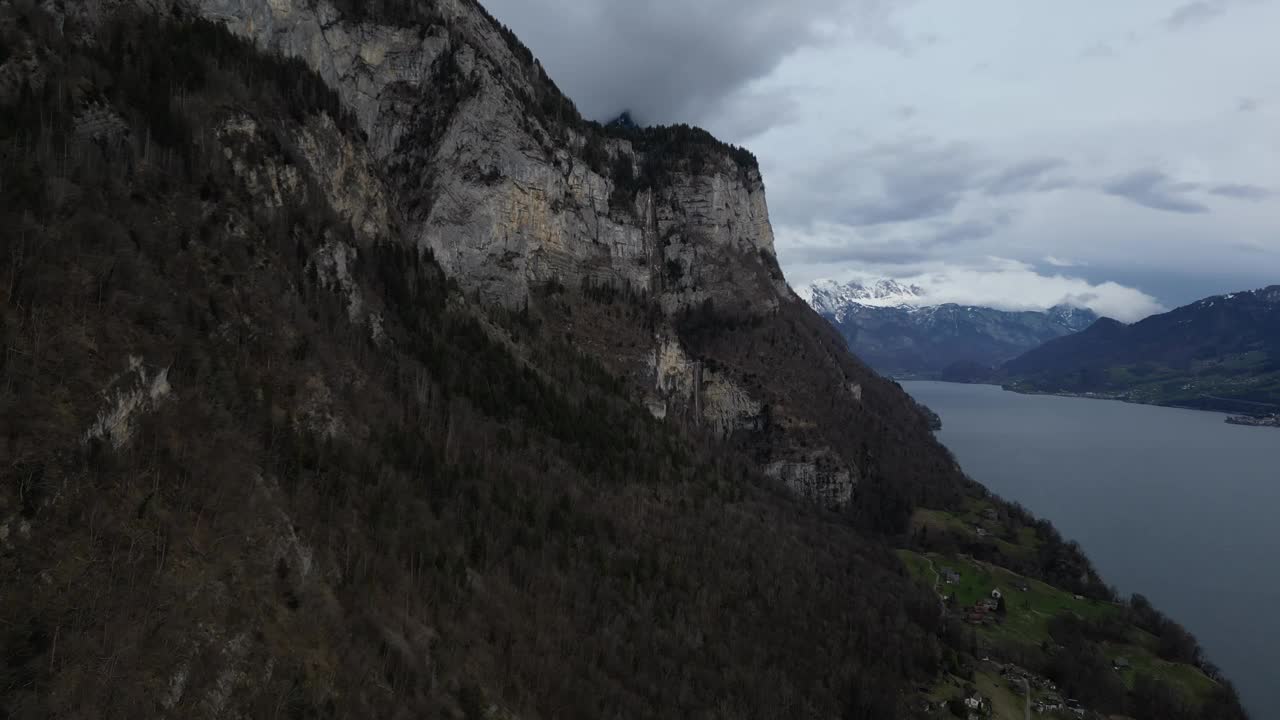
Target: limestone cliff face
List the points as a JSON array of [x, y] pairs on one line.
[[716, 401], [503, 205], [505, 198], [372, 66]]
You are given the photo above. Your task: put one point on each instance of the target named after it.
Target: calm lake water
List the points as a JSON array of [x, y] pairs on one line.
[[1174, 504]]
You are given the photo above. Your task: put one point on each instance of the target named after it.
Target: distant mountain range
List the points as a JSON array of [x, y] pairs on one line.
[[1220, 353], [891, 326]]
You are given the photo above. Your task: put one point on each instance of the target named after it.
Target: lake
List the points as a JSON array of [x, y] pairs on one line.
[[1174, 504]]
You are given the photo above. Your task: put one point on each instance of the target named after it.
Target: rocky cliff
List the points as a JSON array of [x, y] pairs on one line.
[[503, 196], [511, 197]]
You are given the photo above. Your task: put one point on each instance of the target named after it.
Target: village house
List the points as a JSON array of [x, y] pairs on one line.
[[1047, 706], [950, 576]]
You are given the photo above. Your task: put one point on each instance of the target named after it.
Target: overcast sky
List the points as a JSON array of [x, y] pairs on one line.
[[1017, 153]]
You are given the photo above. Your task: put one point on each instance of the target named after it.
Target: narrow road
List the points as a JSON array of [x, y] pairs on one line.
[[937, 580], [1242, 402], [1027, 687]]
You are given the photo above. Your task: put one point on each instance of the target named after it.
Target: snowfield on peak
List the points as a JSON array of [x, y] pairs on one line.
[[829, 296]]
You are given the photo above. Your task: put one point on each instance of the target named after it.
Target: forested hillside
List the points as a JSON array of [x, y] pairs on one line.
[[1219, 353]]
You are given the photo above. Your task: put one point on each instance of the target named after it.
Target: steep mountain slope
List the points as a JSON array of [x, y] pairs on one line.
[[1221, 353], [375, 382], [890, 329], [514, 193]]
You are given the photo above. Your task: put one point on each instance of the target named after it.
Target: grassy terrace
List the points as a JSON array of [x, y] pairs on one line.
[[1004, 702], [1019, 543], [1028, 613]]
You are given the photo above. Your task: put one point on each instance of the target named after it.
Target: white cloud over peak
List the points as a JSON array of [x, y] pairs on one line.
[[1060, 263], [1011, 285]]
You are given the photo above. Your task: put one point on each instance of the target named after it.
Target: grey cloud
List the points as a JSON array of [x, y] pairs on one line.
[[851, 253], [1059, 263], [747, 114], [1156, 190], [1101, 49], [917, 197], [1238, 191], [917, 179], [1198, 12], [915, 183], [970, 230], [902, 247], [1249, 246], [1031, 175], [1084, 299], [676, 61], [1248, 105]]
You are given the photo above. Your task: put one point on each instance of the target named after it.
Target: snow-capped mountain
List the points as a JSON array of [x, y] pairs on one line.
[[829, 296], [895, 328]]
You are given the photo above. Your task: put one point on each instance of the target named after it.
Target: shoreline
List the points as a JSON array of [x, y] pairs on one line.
[[1233, 417], [1271, 421]]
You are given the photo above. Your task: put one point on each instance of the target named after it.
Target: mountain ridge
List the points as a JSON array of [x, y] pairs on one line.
[[1220, 352], [893, 327], [829, 296]]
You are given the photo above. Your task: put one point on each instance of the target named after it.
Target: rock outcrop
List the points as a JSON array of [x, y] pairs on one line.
[[131, 394], [508, 206]]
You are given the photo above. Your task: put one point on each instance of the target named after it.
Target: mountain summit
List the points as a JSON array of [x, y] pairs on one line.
[[893, 327], [829, 297]]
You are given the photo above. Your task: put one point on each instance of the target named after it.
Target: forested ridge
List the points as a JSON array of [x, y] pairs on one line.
[[1220, 353], [230, 489]]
